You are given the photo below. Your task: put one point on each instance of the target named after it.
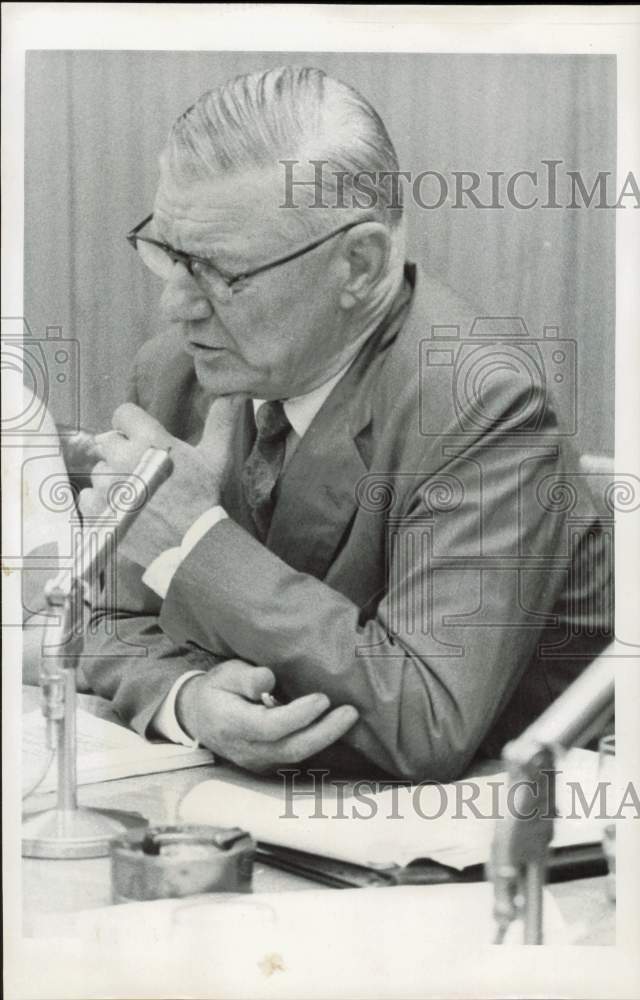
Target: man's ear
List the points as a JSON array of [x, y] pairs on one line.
[[365, 250]]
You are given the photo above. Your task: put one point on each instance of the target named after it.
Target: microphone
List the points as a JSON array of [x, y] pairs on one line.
[[521, 839], [68, 830], [127, 496]]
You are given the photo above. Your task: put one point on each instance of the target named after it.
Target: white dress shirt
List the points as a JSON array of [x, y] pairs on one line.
[[300, 412]]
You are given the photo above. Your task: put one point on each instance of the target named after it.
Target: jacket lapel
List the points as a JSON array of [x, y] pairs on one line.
[[317, 496]]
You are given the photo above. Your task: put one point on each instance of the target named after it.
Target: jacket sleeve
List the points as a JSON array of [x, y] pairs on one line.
[[434, 665], [130, 661], [127, 658]]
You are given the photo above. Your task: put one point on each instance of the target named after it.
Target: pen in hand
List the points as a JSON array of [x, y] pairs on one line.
[[268, 700]]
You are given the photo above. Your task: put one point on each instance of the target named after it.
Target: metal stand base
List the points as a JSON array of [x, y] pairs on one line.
[[76, 833]]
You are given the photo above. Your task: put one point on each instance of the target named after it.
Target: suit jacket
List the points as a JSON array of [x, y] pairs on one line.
[[419, 564]]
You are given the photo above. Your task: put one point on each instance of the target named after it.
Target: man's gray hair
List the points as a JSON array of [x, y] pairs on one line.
[[297, 114]]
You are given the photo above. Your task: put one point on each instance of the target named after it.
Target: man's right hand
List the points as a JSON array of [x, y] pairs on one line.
[[222, 710]]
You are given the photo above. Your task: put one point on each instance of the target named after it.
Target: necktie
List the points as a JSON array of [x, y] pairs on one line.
[[264, 464]]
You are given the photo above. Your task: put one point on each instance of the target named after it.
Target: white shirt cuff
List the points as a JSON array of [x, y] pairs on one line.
[[159, 574], [165, 722]]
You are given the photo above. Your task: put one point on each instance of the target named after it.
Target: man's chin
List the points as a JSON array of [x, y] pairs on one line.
[[217, 376]]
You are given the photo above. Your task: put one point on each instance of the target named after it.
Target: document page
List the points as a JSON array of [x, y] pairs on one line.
[[452, 824], [106, 751]]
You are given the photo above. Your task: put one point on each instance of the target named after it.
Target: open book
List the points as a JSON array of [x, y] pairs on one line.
[[106, 751], [452, 824]]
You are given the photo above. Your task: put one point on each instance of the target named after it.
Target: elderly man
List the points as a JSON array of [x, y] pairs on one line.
[[345, 565]]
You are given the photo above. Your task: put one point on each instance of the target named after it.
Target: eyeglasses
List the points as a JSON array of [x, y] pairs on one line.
[[160, 258]]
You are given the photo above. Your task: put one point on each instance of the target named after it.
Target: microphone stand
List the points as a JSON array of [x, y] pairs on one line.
[[519, 851], [68, 830]]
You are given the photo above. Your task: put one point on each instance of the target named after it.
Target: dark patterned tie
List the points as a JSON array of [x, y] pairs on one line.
[[264, 464]]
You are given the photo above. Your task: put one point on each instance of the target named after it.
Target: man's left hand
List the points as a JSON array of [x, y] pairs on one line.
[[193, 486]]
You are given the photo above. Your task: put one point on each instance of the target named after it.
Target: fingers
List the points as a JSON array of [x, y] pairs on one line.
[[134, 431], [260, 725], [317, 737], [120, 452], [220, 420], [135, 423], [243, 679], [275, 723], [92, 502], [230, 719], [104, 479]]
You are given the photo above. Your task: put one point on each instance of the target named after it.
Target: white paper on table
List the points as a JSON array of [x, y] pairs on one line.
[[105, 751], [456, 838]]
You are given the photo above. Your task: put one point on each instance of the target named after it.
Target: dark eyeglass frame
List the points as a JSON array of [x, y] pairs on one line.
[[188, 259]]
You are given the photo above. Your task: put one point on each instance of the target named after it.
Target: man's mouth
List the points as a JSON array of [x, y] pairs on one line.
[[195, 347]]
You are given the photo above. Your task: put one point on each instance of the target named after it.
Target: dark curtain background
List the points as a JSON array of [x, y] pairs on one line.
[[96, 122]]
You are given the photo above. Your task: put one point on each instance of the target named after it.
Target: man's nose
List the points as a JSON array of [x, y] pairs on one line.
[[182, 298]]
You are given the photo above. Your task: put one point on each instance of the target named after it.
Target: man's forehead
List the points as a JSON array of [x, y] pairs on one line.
[[236, 197]]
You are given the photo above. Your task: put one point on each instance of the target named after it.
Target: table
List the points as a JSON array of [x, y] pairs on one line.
[[59, 886]]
